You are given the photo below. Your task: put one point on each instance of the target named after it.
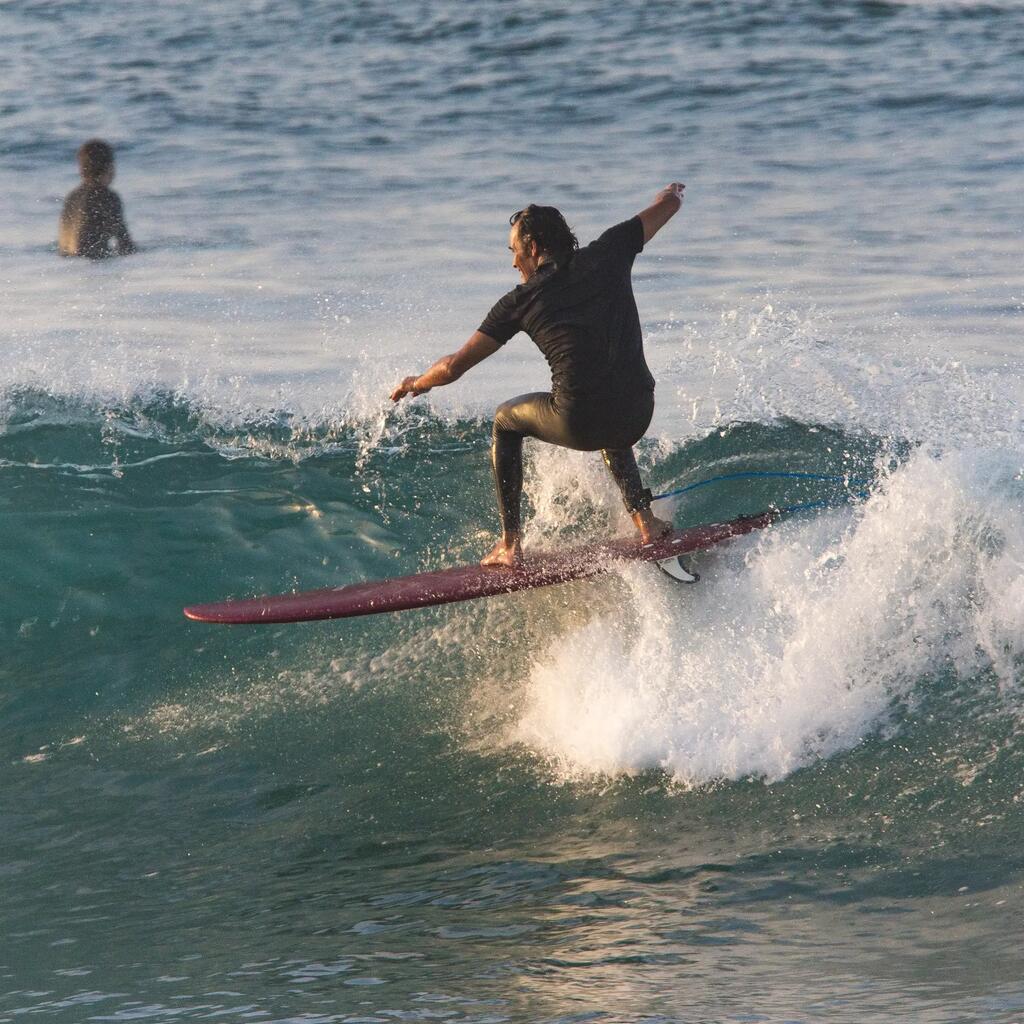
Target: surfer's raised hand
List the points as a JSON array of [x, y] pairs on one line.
[[674, 190], [665, 206], [407, 387]]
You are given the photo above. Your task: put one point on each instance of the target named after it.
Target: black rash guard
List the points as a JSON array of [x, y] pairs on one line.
[[92, 218], [581, 314]]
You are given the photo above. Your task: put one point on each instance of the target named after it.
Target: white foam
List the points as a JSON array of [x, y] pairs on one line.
[[798, 642], [242, 355], [763, 362]]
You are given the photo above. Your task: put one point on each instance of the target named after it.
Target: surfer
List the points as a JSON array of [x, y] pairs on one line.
[[93, 218], [578, 307]]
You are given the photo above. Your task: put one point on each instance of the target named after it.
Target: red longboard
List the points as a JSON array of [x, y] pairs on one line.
[[463, 583]]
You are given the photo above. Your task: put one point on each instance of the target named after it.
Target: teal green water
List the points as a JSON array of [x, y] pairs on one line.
[[789, 794], [400, 817]]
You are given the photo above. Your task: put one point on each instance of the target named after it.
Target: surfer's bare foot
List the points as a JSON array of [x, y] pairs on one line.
[[505, 554], [650, 526]]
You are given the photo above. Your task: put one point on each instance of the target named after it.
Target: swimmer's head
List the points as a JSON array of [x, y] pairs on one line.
[[539, 233], [96, 161]]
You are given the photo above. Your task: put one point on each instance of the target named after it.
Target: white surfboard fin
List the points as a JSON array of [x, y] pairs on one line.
[[674, 567]]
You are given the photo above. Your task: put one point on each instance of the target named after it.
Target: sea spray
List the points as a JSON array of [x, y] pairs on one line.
[[797, 644]]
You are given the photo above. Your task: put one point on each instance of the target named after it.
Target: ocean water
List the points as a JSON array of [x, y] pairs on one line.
[[792, 793]]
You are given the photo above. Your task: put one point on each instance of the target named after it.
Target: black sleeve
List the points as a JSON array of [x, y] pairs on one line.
[[503, 320], [625, 239]]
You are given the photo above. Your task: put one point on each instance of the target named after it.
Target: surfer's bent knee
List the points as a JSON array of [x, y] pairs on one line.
[[523, 415], [503, 417]]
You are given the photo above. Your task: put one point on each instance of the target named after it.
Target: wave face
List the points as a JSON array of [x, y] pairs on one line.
[[837, 699], [801, 642], [789, 793]]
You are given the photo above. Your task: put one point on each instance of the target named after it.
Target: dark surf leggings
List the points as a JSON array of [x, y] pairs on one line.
[[612, 428]]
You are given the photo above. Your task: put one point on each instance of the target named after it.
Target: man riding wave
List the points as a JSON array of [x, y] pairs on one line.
[[578, 307]]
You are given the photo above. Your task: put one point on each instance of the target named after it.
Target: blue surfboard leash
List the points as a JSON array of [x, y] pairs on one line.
[[786, 475], [675, 567]]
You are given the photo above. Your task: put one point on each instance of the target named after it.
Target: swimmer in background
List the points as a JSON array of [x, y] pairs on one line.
[[92, 221]]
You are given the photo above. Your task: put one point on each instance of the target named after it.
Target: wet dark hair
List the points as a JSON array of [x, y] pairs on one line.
[[95, 158], [547, 227]]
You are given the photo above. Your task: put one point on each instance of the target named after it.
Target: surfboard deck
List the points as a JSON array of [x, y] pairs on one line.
[[467, 582]]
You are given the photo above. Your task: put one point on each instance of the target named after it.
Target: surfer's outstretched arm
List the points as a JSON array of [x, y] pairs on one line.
[[665, 206], [448, 368]]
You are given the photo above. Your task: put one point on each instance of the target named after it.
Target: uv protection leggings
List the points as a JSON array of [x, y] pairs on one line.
[[612, 429]]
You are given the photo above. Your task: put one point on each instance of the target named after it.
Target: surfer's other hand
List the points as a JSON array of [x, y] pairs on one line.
[[407, 387]]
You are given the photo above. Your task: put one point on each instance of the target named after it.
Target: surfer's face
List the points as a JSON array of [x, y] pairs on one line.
[[525, 257]]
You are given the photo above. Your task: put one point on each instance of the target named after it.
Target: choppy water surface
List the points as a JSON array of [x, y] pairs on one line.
[[791, 793]]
